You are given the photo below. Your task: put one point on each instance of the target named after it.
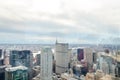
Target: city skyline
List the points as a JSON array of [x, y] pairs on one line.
[[72, 21]]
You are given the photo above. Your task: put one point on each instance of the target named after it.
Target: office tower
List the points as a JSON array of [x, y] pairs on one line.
[[88, 56], [80, 54], [46, 64], [62, 59], [22, 58], [16, 73], [18, 58]]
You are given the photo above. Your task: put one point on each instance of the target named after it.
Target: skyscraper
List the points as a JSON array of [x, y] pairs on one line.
[[88, 56], [80, 53], [18, 58], [22, 58], [46, 64], [62, 59]]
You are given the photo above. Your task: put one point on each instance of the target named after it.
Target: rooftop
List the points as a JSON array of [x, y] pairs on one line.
[[11, 69]]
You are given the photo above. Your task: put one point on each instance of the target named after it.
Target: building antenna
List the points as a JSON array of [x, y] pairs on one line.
[[56, 41]]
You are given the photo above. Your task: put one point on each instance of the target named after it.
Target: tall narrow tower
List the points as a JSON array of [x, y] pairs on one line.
[[46, 64], [62, 57]]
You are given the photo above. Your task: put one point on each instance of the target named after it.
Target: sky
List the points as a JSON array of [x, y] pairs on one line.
[[71, 21]]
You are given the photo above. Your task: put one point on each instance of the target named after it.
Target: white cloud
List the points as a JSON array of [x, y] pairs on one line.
[[81, 18], [81, 5]]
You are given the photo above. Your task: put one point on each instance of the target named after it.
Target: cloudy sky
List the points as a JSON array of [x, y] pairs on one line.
[[72, 21]]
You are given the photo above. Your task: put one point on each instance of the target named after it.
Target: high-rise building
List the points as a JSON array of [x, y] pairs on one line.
[[22, 58], [88, 56], [80, 54], [62, 59], [18, 58], [46, 64]]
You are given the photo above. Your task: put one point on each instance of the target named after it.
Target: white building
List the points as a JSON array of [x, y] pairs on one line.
[[74, 54], [62, 57], [46, 64], [66, 76]]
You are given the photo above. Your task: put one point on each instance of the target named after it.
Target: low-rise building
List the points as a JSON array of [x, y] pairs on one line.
[[16, 73]]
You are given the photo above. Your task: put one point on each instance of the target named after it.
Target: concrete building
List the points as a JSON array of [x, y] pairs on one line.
[[62, 57], [88, 56], [46, 64]]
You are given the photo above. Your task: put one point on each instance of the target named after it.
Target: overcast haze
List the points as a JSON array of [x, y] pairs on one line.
[[72, 21]]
